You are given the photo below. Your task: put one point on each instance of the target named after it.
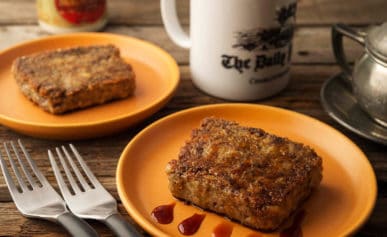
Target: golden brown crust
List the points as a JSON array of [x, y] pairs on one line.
[[67, 79], [244, 173]]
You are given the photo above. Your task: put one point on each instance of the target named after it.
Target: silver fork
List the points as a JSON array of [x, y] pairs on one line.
[[35, 197], [88, 200]]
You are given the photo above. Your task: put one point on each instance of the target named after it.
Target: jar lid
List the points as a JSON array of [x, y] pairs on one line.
[[376, 41]]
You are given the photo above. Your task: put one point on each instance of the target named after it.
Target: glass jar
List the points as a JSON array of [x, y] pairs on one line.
[[62, 16]]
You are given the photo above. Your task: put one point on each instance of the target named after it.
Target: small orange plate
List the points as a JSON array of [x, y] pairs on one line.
[[339, 207], [157, 76]]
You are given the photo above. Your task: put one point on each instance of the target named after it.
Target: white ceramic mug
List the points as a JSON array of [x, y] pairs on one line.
[[239, 49]]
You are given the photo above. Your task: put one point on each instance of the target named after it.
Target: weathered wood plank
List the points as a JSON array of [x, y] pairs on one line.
[[311, 44], [345, 11], [147, 12]]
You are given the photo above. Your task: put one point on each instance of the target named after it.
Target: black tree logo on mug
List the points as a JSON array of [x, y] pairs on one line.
[[271, 38], [264, 39]]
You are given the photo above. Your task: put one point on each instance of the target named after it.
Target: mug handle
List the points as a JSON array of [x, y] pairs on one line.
[[338, 31], [172, 24]]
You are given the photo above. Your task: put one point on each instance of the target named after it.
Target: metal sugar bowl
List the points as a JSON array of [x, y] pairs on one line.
[[369, 75]]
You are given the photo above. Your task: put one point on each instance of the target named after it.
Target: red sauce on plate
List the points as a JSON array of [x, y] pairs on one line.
[[295, 229], [190, 225], [223, 229], [163, 214]]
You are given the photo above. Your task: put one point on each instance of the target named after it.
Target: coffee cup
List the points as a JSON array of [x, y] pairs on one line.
[[239, 49]]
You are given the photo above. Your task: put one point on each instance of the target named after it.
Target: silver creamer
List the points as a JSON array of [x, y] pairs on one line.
[[369, 75]]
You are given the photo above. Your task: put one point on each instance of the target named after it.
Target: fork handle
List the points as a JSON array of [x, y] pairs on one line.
[[76, 226], [121, 227]]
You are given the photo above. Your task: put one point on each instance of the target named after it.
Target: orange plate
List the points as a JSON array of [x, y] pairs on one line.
[[341, 205], [157, 76]]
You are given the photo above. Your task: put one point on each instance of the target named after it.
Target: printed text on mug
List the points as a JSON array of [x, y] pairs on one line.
[[259, 62]]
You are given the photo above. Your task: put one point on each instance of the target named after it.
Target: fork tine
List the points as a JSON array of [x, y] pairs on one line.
[[42, 179], [59, 178], [26, 172], [19, 178], [83, 164], [69, 176], [83, 182], [8, 179]]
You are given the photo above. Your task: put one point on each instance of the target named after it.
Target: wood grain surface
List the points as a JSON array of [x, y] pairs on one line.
[[312, 60]]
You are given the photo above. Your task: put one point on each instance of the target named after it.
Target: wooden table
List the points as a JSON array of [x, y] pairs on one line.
[[313, 63]]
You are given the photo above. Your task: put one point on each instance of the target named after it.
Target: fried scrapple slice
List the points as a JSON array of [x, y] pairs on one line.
[[244, 173], [74, 78]]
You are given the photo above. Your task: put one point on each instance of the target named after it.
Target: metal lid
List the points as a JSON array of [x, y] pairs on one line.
[[376, 42]]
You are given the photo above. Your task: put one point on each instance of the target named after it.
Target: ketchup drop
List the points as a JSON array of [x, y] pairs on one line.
[[223, 229], [163, 214], [190, 225]]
